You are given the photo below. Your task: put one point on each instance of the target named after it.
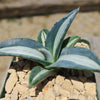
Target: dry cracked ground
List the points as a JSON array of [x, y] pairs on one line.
[[81, 86]]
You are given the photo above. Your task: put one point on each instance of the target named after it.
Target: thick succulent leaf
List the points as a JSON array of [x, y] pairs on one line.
[[25, 52], [38, 74], [47, 54], [42, 36], [26, 43], [56, 35], [70, 41], [21, 42], [85, 41], [77, 58]]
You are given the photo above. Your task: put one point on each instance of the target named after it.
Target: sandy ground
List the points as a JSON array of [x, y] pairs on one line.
[[29, 27]]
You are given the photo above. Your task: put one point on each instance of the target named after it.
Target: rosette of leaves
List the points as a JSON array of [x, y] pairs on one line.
[[52, 51]]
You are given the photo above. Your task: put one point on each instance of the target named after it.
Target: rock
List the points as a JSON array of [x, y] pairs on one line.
[[32, 92], [21, 76], [90, 87], [59, 80], [48, 85], [21, 88], [50, 95], [40, 97], [63, 98], [11, 82], [67, 85], [74, 94], [26, 79], [91, 97], [64, 93], [57, 89], [11, 71], [82, 97], [14, 95], [7, 95], [77, 84]]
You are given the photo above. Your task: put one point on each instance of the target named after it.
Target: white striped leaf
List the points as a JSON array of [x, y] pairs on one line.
[[38, 74], [56, 35], [21, 42], [70, 41], [26, 43], [77, 58], [25, 52], [42, 36]]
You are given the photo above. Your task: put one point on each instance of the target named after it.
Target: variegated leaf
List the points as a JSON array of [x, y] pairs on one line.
[[56, 35], [70, 41], [20, 42], [25, 52], [77, 58], [38, 74], [27, 43], [42, 36]]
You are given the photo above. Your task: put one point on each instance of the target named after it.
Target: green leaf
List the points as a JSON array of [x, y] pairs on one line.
[[86, 42], [70, 41], [27, 43], [77, 58], [56, 35], [25, 52], [20, 42], [42, 36], [38, 74]]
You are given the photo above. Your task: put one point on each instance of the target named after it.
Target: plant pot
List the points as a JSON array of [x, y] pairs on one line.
[[45, 86]]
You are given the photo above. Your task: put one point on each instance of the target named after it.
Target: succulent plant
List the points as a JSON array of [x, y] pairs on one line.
[[52, 51]]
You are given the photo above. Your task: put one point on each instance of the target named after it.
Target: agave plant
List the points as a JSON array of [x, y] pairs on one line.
[[52, 51]]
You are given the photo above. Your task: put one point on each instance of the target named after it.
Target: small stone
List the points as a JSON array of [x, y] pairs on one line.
[[77, 84], [63, 98], [57, 89], [82, 97], [58, 98], [41, 96], [11, 71], [7, 95], [50, 95], [26, 79], [90, 88], [21, 76], [91, 97], [32, 92], [59, 80], [64, 93], [48, 85], [14, 95], [67, 85], [11, 82], [74, 94], [21, 88]]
